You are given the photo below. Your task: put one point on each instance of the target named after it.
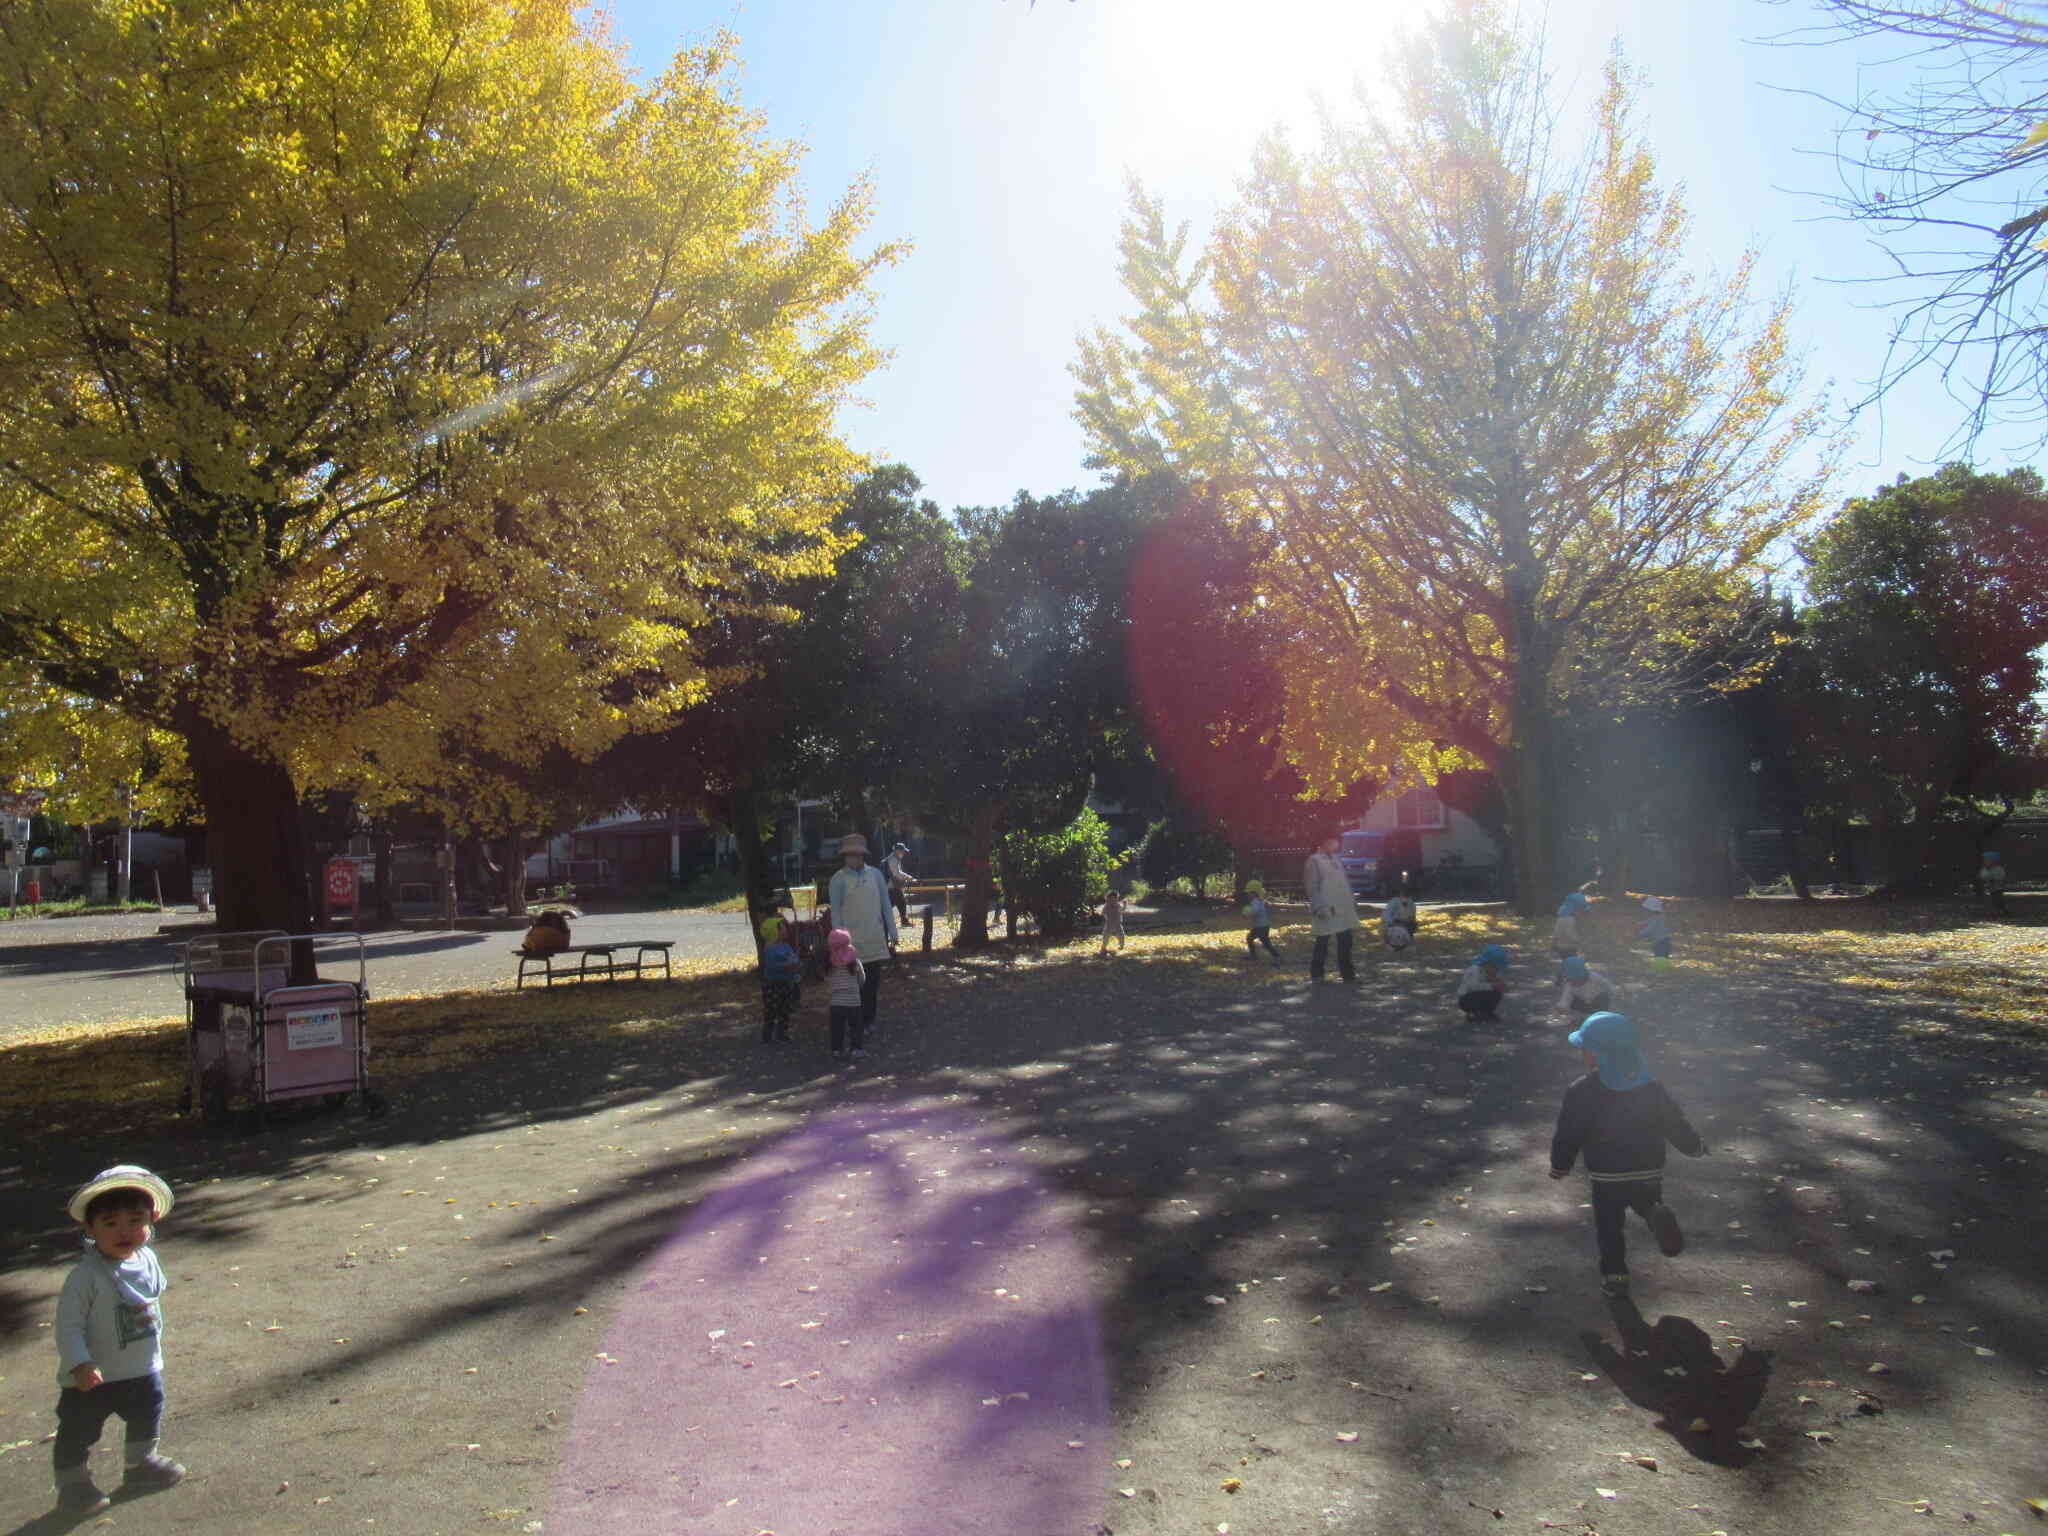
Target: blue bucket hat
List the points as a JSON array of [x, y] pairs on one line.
[[1612, 1038], [1492, 955], [1573, 904], [1574, 968], [1990, 858]]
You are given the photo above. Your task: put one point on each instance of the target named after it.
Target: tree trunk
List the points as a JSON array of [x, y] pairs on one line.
[[981, 841], [515, 874], [1794, 833], [254, 835], [1617, 851], [380, 847], [1532, 804], [757, 876]]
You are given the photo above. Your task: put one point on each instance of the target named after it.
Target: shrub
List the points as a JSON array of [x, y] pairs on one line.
[[1054, 878]]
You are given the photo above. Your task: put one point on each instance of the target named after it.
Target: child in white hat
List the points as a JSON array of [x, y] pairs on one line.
[[1656, 929], [110, 1358]]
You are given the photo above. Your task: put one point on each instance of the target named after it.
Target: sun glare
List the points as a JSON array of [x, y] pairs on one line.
[[1205, 78]]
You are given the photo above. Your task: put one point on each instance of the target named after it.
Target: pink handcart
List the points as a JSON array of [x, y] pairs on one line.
[[255, 1039]]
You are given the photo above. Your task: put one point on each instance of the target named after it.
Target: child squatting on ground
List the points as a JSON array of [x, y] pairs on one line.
[[1397, 920], [843, 983], [1620, 1117], [782, 979], [1485, 980], [1584, 992], [1261, 930], [110, 1359]]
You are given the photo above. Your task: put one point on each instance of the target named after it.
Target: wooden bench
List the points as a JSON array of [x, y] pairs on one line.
[[604, 960]]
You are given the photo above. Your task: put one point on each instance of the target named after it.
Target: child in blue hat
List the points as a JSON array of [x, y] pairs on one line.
[[1564, 933], [1485, 981], [1585, 991], [1620, 1117]]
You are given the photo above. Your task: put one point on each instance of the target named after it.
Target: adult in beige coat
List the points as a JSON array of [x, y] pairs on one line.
[[1333, 911]]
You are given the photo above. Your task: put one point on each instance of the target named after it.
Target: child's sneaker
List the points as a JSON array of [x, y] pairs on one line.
[[1669, 1236], [81, 1498], [151, 1473], [1614, 1285]]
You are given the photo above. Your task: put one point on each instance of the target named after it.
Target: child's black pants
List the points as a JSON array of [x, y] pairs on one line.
[[138, 1400], [1258, 936], [846, 1021], [1611, 1204], [778, 1001]]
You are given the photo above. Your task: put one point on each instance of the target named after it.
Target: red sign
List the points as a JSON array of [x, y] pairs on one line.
[[341, 885]]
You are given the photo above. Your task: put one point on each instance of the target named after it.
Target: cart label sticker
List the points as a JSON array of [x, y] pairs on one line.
[[309, 1031]]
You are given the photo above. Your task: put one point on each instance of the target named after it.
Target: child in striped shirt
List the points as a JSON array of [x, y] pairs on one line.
[[843, 983]]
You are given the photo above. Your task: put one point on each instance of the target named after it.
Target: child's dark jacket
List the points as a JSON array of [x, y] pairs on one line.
[[1621, 1134]]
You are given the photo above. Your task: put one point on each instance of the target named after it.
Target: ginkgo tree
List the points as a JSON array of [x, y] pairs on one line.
[[1469, 384], [381, 374]]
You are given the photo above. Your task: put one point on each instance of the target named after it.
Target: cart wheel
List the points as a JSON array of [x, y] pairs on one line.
[[374, 1104]]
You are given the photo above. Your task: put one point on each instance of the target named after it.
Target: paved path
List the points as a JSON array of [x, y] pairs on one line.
[[91, 970]]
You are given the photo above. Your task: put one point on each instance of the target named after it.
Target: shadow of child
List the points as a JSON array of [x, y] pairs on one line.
[[1672, 1370]]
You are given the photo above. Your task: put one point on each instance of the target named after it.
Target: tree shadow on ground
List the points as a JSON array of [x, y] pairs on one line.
[[1230, 1133], [68, 957]]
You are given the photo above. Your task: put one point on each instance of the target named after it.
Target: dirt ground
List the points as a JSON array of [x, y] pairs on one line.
[[1159, 1242]]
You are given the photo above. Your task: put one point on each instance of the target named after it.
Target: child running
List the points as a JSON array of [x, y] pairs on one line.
[[110, 1329], [1620, 1117], [844, 982], [1261, 931], [1585, 992], [1991, 880], [1484, 983]]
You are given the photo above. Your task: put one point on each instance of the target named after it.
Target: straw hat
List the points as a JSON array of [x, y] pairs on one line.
[[122, 1176], [853, 842]]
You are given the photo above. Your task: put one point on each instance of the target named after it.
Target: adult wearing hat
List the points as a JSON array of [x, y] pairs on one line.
[[859, 894], [1333, 910], [899, 881]]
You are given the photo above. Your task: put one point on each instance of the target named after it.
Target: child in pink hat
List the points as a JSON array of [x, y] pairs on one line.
[[843, 983]]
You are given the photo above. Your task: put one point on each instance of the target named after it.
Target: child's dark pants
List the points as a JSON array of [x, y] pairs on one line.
[[1611, 1204], [778, 1002], [1480, 1005], [846, 1020], [1258, 936], [138, 1400]]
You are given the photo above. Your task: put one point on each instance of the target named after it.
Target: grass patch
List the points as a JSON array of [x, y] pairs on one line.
[[77, 907], [140, 1064]]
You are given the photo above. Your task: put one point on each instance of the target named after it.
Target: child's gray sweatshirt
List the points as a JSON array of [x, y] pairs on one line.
[[111, 1316]]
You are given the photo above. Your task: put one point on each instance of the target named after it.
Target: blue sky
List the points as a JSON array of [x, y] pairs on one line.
[[999, 137]]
